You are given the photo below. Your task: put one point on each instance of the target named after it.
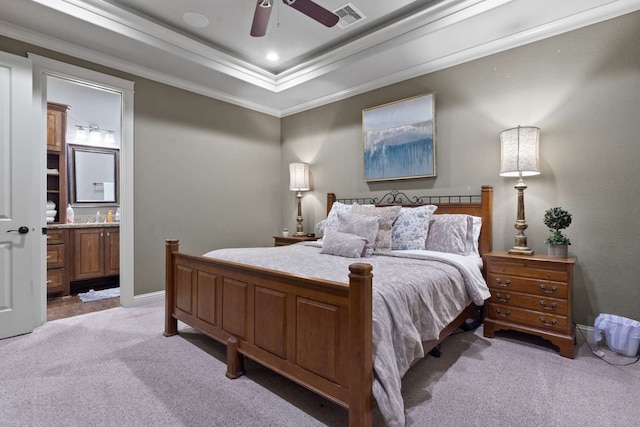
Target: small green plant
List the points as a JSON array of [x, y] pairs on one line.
[[557, 219]]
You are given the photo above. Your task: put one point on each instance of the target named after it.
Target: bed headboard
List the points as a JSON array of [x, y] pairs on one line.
[[477, 205]]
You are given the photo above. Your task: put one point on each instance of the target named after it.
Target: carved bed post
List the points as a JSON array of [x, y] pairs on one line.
[[360, 345], [170, 322], [487, 219]]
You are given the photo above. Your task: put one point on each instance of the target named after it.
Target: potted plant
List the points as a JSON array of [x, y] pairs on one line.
[[557, 219]]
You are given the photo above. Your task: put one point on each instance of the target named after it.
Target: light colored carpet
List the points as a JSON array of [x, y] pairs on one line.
[[98, 295], [114, 368]]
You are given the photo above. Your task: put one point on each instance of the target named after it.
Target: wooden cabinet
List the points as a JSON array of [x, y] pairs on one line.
[[96, 252], [56, 160], [290, 240], [531, 294], [57, 279]]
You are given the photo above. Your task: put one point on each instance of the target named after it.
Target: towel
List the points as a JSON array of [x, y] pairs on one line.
[[52, 212], [51, 204], [50, 219]]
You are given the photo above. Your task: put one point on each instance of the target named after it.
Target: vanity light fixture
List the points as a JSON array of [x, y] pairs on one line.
[[94, 135], [299, 182], [519, 157]]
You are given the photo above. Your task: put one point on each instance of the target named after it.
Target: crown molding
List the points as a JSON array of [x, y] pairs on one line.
[[314, 75]]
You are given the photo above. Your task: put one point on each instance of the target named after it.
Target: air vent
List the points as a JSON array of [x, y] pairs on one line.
[[349, 15]]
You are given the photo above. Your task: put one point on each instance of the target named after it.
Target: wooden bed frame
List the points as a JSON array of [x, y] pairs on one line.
[[315, 332]]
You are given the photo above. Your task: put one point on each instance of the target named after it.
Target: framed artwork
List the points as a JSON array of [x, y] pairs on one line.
[[400, 139]]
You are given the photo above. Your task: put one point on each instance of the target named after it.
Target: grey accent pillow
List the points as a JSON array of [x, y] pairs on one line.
[[361, 225], [343, 244], [451, 233], [386, 216]]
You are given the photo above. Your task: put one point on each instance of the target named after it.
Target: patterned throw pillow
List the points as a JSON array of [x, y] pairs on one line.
[[386, 216], [411, 228], [361, 225], [332, 218], [452, 233], [343, 244]]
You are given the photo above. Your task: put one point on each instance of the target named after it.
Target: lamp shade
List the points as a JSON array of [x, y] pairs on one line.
[[519, 151], [299, 176]]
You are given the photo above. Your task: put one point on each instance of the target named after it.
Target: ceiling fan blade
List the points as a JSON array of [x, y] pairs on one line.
[[261, 18], [314, 11]]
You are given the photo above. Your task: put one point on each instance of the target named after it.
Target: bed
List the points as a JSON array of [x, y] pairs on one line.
[[318, 329]]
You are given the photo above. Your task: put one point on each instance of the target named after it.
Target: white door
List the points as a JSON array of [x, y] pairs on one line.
[[20, 238]]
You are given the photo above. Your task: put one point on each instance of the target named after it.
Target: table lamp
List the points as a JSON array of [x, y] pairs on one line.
[[299, 182], [519, 157]]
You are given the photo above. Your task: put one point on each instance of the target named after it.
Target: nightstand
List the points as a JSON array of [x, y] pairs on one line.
[[531, 294], [290, 240]]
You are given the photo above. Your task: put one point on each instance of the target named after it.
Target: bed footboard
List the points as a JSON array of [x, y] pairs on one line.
[[315, 332]]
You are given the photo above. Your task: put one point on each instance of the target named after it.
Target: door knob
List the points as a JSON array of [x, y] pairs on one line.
[[21, 230]]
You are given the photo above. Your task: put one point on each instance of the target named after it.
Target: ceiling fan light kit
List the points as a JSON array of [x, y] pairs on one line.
[[306, 7]]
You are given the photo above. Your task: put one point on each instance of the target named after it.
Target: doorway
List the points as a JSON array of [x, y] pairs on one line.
[[90, 131], [49, 77]]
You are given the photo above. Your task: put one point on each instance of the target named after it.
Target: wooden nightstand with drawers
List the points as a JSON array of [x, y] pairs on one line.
[[531, 294]]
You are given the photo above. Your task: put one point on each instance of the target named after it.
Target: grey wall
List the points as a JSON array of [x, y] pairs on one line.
[[581, 88], [201, 168]]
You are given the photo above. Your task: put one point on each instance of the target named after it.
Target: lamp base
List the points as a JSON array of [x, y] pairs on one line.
[[519, 250]]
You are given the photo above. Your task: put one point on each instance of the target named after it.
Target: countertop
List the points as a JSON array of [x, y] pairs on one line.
[[84, 225]]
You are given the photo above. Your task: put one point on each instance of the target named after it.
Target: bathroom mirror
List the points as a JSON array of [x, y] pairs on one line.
[[93, 174]]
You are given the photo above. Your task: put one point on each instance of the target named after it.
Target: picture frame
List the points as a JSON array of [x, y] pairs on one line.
[[400, 139]]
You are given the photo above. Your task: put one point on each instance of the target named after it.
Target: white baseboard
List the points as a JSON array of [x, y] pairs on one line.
[[149, 298]]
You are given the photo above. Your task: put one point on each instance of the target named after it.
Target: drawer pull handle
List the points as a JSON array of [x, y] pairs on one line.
[[506, 283], [546, 307], [553, 322], [506, 313], [49, 281], [546, 291], [505, 299], [48, 256]]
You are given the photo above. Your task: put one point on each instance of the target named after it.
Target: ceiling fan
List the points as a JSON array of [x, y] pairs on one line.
[[308, 7]]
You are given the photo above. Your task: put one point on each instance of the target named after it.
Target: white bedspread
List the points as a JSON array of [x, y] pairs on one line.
[[415, 295]]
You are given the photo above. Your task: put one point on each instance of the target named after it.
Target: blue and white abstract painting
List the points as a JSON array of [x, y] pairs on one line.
[[399, 140]]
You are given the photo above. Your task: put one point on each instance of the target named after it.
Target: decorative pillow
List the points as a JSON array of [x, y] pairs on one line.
[[452, 233], [332, 218], [343, 244], [320, 228], [386, 216], [411, 227], [477, 226], [361, 225]]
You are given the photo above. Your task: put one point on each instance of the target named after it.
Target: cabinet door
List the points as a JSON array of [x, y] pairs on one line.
[[54, 130], [88, 253], [112, 252]]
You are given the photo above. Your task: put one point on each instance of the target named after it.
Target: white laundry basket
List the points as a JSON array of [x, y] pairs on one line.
[[622, 335]]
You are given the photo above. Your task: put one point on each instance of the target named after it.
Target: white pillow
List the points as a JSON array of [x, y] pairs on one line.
[[411, 228], [343, 244], [451, 233], [477, 226]]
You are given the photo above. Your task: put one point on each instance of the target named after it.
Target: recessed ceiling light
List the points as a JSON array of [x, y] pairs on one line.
[[195, 19], [272, 56]]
